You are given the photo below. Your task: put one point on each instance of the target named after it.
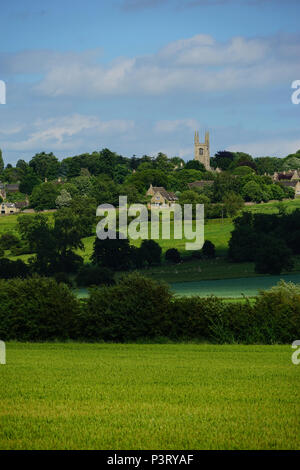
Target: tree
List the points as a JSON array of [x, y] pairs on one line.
[[112, 253], [208, 249], [45, 165], [151, 252], [28, 181], [272, 256], [277, 192], [53, 245], [90, 275], [194, 165], [268, 165], [8, 240], [12, 269], [173, 255], [242, 243], [233, 203], [223, 159], [189, 197], [44, 196], [252, 191], [34, 230], [63, 199]]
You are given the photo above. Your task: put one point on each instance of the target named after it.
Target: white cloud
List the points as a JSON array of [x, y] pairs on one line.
[[59, 133], [196, 64]]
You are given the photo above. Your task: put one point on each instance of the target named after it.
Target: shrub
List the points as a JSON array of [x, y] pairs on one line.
[[277, 313], [134, 308], [36, 309], [9, 240]]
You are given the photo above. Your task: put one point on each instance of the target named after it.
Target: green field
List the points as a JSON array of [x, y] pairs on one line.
[[170, 396], [216, 230]]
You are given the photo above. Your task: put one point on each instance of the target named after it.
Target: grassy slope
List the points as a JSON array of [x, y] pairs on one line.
[[186, 396]]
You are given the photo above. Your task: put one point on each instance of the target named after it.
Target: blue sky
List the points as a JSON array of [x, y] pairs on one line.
[[140, 76]]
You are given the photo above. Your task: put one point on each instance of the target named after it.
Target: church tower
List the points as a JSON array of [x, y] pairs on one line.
[[201, 150]]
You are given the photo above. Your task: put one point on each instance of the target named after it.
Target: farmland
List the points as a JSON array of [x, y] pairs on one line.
[[218, 231], [168, 396]]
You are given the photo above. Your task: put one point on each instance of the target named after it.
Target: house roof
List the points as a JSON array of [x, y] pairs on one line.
[[8, 204], [169, 195], [289, 183]]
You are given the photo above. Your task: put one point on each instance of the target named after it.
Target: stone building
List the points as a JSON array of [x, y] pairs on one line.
[[161, 197], [7, 208], [292, 175], [201, 150], [291, 184]]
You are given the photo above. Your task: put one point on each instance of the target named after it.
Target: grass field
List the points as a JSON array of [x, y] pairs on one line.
[[170, 396], [218, 231]]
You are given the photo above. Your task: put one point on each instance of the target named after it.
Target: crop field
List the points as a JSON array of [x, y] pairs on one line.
[[163, 396]]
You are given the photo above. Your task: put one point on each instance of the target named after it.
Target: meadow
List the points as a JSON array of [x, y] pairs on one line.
[[163, 396]]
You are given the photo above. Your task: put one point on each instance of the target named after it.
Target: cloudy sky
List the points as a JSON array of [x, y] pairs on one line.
[[140, 76]]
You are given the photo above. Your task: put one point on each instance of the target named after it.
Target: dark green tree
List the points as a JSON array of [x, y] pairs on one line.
[[272, 256]]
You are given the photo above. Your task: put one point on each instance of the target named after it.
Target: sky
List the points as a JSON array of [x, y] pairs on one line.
[[140, 76]]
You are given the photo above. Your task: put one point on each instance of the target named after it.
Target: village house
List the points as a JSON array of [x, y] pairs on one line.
[[292, 184], [7, 208], [161, 197], [286, 176]]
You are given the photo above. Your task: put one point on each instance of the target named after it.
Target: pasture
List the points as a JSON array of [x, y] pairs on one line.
[[167, 396]]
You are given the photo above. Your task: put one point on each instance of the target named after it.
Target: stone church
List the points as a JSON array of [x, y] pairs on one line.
[[202, 150]]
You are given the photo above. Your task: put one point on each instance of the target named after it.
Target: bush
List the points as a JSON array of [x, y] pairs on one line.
[[137, 308], [277, 314], [37, 309], [173, 255], [9, 240], [134, 308]]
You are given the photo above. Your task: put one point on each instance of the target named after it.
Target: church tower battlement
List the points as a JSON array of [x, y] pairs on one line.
[[201, 150]]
